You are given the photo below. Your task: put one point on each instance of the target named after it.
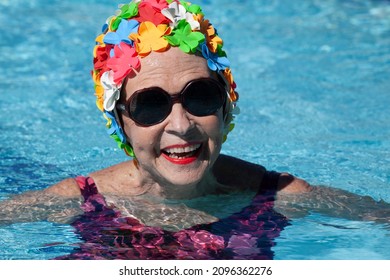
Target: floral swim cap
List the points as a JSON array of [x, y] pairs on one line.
[[145, 26]]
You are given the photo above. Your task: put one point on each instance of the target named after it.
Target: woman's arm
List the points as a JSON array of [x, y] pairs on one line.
[[58, 203], [333, 202]]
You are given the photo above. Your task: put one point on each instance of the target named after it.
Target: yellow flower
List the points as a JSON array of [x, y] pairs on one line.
[[99, 39], [109, 121], [99, 92], [150, 38], [110, 22]]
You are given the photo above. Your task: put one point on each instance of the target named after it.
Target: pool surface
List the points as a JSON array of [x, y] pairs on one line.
[[313, 78]]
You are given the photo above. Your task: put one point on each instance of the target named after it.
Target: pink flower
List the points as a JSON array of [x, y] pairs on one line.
[[124, 62]]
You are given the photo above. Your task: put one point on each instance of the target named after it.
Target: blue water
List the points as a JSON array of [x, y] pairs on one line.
[[313, 78]]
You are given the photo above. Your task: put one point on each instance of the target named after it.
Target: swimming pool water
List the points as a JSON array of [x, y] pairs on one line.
[[314, 96]]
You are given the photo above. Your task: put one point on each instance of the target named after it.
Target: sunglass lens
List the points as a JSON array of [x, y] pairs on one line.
[[150, 107], [203, 98]]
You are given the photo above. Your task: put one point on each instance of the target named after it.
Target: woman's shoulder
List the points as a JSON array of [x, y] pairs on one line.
[[105, 179], [117, 179], [243, 175], [237, 173]]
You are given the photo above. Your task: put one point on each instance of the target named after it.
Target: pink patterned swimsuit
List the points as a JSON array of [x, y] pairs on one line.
[[248, 234]]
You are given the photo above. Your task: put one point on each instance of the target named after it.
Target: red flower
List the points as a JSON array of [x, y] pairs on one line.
[[152, 12], [158, 4], [101, 53]]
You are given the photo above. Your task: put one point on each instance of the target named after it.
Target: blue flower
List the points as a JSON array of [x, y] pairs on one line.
[[215, 62], [115, 128], [125, 28], [104, 27]]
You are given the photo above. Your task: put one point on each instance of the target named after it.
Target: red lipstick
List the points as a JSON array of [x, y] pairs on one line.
[[182, 154]]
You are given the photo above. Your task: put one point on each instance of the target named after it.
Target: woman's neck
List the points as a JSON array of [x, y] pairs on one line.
[[165, 189]]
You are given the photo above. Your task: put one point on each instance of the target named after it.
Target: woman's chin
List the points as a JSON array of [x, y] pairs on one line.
[[185, 177], [185, 174]]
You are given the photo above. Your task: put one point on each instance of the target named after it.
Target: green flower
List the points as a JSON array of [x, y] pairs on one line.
[[124, 146], [127, 11], [191, 8], [183, 37]]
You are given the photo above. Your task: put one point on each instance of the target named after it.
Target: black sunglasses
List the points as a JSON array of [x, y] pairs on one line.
[[150, 106]]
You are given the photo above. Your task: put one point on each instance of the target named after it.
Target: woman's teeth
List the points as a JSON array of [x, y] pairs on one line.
[[182, 152]]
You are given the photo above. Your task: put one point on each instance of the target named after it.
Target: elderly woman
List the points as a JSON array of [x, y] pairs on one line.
[[165, 87], [163, 83]]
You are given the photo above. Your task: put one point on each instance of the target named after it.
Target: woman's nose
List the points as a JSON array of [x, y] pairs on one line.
[[178, 120]]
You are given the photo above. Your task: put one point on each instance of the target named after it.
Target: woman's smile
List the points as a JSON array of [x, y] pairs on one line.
[[182, 154]]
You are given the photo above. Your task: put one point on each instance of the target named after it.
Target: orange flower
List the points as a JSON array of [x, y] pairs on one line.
[[96, 76], [213, 42], [233, 95], [229, 77], [212, 39], [150, 38], [199, 18]]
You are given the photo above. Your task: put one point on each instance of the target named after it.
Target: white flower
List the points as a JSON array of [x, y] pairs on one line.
[[111, 91], [176, 12]]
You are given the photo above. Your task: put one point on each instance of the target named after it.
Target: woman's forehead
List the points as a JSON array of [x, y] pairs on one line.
[[172, 61], [170, 70]]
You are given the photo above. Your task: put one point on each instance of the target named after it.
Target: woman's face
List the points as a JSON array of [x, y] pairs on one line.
[[181, 150]]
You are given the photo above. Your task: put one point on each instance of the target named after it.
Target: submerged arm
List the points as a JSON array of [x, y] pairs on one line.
[[55, 204], [335, 203]]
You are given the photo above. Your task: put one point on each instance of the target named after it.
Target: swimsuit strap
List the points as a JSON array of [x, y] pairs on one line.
[[93, 200], [270, 181], [87, 186]]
